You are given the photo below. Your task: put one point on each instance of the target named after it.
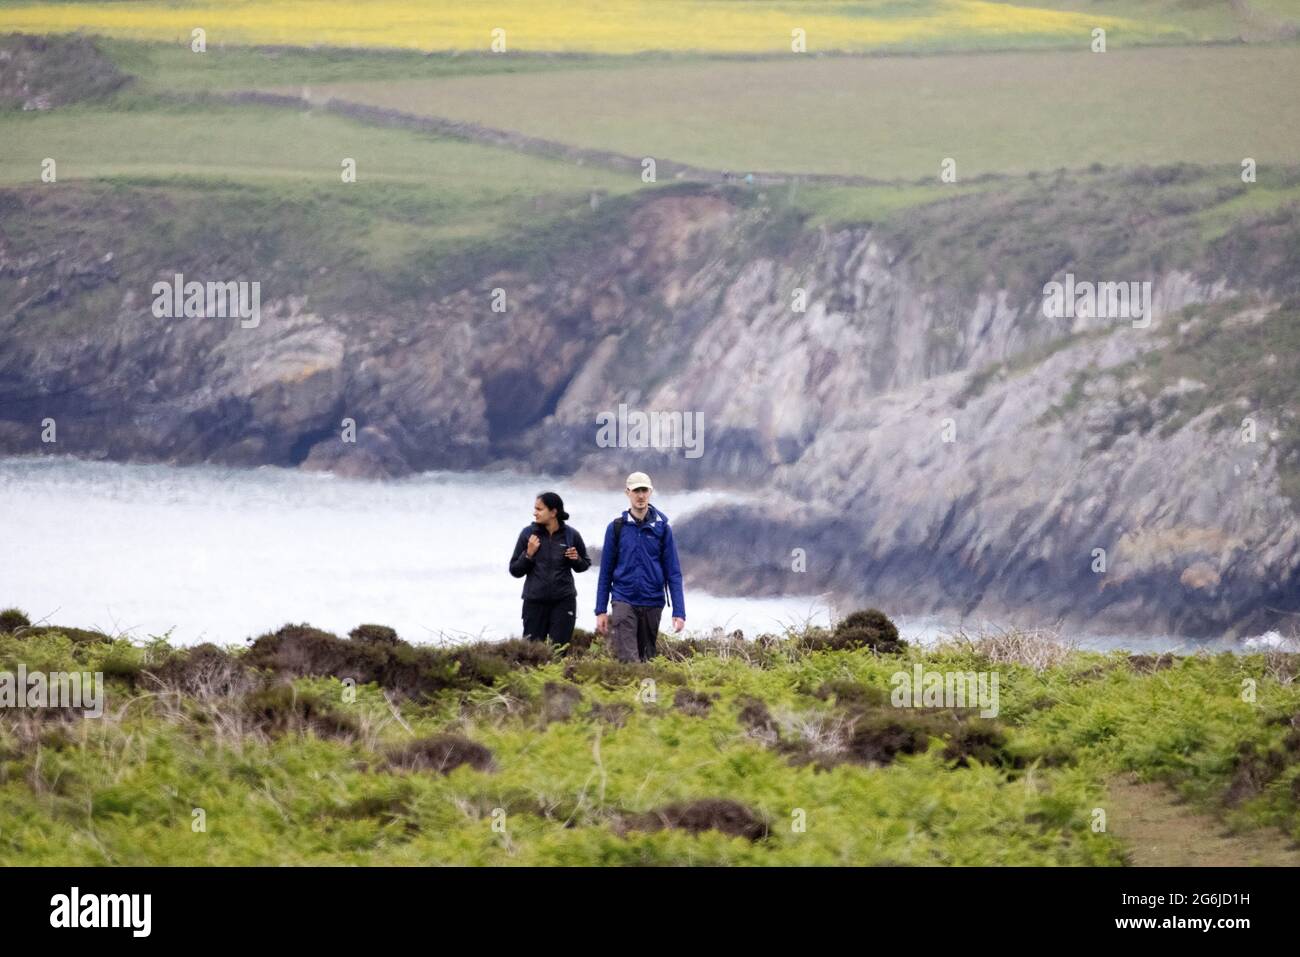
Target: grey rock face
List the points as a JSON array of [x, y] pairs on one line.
[[1017, 517], [929, 446]]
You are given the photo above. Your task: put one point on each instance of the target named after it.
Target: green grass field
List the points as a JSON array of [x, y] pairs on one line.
[[414, 193], [892, 118], [585, 761], [172, 68], [430, 212], [255, 143]]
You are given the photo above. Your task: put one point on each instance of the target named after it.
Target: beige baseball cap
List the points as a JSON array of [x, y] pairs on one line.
[[639, 480]]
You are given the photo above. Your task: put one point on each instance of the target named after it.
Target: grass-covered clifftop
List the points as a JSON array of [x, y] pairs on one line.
[[307, 748]]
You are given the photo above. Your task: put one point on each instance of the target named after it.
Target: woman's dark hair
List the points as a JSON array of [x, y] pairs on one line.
[[555, 503]]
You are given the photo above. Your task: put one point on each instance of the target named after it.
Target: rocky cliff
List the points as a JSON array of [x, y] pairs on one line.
[[924, 434]]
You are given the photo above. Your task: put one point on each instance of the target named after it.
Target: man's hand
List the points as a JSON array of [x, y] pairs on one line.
[[602, 624], [534, 543], [679, 624], [571, 553]]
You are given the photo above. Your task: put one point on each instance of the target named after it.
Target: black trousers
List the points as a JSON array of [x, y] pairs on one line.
[[553, 619]]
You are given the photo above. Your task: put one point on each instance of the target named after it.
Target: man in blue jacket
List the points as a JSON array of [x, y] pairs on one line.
[[638, 563]]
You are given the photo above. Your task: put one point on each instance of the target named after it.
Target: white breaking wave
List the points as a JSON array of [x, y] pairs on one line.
[[1271, 641]]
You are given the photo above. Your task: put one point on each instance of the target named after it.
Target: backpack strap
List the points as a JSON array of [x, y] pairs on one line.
[[618, 534]]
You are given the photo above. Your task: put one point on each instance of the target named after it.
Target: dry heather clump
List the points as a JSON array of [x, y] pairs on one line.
[[757, 719], [79, 636], [869, 628], [1252, 771], [1146, 664], [614, 714], [559, 701], [705, 814], [759, 653], [695, 703], [1281, 666], [1038, 649], [819, 738], [978, 739], [25, 729], [301, 650], [852, 694], [204, 672], [492, 704], [880, 738], [12, 619], [580, 643], [874, 735], [615, 674], [282, 709], [442, 753], [517, 652], [385, 808], [376, 654], [375, 635]]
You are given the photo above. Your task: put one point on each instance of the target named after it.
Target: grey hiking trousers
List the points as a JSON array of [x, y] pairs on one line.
[[633, 631]]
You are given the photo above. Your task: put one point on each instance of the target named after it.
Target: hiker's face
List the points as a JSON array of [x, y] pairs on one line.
[[638, 497], [541, 514]]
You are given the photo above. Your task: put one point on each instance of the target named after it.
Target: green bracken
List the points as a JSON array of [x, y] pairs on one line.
[[776, 750]]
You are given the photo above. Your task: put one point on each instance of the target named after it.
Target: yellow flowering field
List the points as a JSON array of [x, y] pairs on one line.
[[598, 26]]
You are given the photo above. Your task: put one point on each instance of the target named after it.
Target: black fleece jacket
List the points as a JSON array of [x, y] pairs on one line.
[[548, 575]]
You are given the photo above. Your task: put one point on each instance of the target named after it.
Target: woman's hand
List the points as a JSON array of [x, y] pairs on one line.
[[534, 543], [571, 553]]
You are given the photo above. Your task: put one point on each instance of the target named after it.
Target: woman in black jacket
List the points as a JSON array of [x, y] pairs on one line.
[[546, 555]]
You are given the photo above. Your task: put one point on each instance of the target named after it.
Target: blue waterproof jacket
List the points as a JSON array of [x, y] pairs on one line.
[[646, 562]]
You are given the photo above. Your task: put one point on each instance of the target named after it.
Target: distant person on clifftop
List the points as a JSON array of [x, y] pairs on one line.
[[638, 565], [546, 555]]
